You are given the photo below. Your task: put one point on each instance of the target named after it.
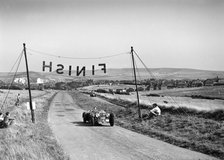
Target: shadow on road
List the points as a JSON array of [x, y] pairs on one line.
[[60, 115], [82, 124], [68, 109]]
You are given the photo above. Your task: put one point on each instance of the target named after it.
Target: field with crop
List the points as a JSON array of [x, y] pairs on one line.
[[25, 140], [171, 97], [196, 124]]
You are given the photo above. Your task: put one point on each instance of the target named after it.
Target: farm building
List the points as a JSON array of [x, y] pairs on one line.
[[20, 80]]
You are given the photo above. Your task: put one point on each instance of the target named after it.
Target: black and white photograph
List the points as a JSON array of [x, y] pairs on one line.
[[111, 79]]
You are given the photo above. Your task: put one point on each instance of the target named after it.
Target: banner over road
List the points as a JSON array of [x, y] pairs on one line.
[[60, 69]]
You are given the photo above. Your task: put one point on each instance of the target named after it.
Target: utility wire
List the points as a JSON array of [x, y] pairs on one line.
[[9, 87], [64, 57], [138, 73], [156, 78], [147, 69], [14, 64]]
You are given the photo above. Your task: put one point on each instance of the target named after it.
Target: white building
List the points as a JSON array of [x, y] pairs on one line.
[[20, 80], [41, 81]]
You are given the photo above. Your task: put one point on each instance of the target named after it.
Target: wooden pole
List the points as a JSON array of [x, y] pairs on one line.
[[139, 110], [28, 81]]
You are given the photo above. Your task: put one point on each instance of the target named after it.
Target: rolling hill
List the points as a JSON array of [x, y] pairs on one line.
[[120, 74], [158, 73]]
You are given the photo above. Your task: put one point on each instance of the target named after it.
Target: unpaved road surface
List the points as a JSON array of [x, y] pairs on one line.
[[85, 142]]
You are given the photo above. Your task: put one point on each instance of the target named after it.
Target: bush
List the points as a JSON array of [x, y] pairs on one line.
[[13, 87], [153, 95], [101, 91]]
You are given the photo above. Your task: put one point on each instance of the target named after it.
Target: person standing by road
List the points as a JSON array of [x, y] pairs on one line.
[[17, 100]]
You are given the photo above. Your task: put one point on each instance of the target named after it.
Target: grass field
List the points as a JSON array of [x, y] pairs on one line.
[[25, 140], [210, 91], [182, 127], [11, 100]]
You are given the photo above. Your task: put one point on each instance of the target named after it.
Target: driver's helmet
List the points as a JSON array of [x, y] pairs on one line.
[[102, 111], [94, 109]]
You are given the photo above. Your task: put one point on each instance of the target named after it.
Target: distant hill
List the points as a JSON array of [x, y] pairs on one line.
[[121, 74], [164, 73], [158, 73]]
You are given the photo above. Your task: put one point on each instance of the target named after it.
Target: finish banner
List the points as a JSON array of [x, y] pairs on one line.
[[60, 68]]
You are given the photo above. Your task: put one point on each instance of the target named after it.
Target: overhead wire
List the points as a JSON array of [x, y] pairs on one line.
[[137, 70], [147, 69], [155, 79], [140, 78], [14, 64], [9, 86], [35, 52], [65, 57]]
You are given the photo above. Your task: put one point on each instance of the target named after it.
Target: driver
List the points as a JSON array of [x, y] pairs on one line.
[[94, 109]]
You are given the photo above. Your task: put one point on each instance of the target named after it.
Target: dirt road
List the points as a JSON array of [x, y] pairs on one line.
[[81, 141]]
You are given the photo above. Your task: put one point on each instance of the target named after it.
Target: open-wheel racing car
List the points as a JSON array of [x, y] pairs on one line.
[[98, 117]]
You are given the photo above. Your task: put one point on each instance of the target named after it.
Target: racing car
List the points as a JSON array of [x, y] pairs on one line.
[[95, 117]]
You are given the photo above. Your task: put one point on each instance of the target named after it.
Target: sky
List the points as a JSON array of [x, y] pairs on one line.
[[164, 33]]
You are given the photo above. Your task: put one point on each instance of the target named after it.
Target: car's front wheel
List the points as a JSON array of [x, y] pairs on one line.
[[111, 119]]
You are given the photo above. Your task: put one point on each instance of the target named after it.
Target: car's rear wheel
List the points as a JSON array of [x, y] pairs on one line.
[[84, 117], [111, 119]]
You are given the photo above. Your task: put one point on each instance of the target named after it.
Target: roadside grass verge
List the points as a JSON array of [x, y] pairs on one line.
[[25, 140], [191, 129], [9, 104]]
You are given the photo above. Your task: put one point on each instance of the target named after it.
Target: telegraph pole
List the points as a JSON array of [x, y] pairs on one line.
[[28, 81], [133, 60]]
